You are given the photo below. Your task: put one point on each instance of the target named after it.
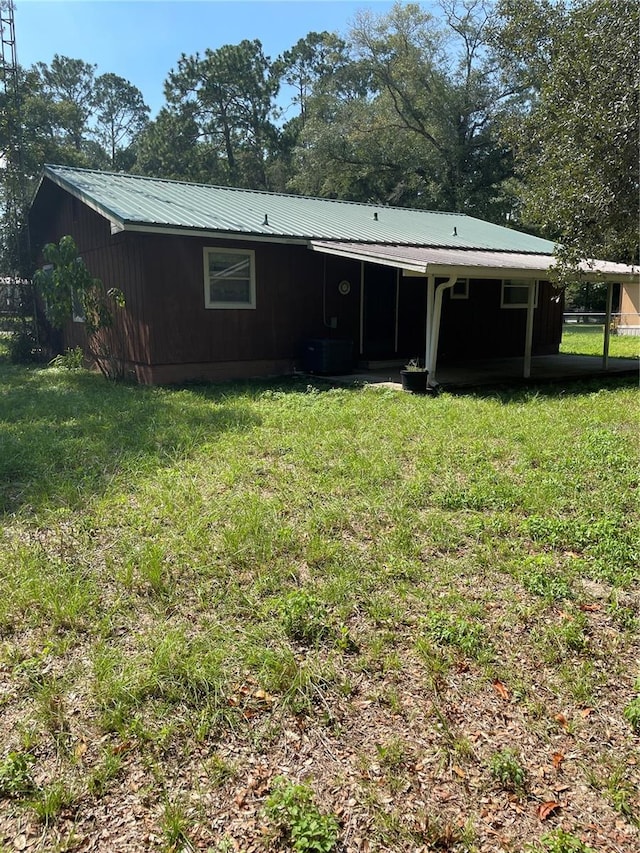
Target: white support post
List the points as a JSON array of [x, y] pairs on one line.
[[607, 327], [431, 280], [361, 307], [528, 335], [435, 335]]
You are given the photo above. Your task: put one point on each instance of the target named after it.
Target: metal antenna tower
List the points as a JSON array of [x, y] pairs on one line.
[[15, 225]]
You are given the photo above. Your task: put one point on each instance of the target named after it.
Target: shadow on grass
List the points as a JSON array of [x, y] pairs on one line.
[[64, 435], [506, 391], [547, 390]]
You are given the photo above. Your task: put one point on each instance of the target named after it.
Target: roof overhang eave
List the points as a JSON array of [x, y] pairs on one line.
[[418, 268], [415, 267], [114, 220], [476, 272]]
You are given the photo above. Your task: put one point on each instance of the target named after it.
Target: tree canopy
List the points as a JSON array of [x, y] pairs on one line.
[[575, 137], [521, 112]]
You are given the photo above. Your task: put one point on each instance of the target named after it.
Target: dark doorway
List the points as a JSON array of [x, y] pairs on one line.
[[379, 312]]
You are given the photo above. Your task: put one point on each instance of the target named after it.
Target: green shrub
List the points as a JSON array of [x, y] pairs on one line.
[[23, 348]]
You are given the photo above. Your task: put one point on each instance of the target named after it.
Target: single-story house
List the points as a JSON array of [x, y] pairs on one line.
[[223, 283]]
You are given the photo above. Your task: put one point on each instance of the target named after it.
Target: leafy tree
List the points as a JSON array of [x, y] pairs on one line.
[[310, 59], [404, 123], [120, 116], [69, 86], [228, 95], [576, 137], [67, 288], [170, 147]]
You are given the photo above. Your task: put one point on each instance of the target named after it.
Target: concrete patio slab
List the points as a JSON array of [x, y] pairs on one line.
[[502, 371]]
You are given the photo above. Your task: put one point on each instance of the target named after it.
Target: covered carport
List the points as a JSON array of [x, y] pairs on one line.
[[443, 267]]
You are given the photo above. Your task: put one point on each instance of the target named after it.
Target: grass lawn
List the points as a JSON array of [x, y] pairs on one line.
[[287, 617], [589, 340]]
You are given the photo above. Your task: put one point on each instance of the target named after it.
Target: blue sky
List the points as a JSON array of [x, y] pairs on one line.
[[142, 40]]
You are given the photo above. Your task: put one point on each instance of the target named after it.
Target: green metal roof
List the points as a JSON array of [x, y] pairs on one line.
[[131, 202]]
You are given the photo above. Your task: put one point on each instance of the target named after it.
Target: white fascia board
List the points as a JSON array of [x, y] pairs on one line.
[[407, 267], [143, 228], [444, 271]]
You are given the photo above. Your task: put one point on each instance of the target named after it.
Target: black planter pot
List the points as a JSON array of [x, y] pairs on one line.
[[414, 381]]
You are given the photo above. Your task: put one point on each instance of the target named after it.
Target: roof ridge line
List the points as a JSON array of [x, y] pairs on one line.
[[268, 193]]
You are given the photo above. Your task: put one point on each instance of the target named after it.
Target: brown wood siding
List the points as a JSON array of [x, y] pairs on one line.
[[478, 327], [289, 303], [113, 258]]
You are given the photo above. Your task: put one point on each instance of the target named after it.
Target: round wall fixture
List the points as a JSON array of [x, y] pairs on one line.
[[344, 287]]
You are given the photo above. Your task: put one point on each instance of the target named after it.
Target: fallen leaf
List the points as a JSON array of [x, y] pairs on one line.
[[589, 608], [501, 690], [560, 718], [557, 759], [545, 810], [458, 771], [586, 712]]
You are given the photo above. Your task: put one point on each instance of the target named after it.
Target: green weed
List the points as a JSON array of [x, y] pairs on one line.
[[104, 773], [50, 800], [297, 819], [304, 617], [15, 774], [544, 581], [559, 841], [505, 767], [175, 827], [70, 359], [631, 714], [468, 637]]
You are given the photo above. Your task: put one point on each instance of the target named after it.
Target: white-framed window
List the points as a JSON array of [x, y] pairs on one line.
[[460, 289], [229, 278], [515, 293]]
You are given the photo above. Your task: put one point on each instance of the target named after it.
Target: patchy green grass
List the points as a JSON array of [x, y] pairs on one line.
[[589, 340], [373, 598]]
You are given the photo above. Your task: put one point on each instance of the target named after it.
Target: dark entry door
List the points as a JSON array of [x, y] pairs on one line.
[[379, 312]]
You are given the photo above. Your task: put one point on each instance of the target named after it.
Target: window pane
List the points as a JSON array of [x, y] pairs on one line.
[[230, 290], [516, 295], [228, 265]]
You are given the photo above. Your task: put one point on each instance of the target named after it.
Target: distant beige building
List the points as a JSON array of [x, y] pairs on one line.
[[629, 320]]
